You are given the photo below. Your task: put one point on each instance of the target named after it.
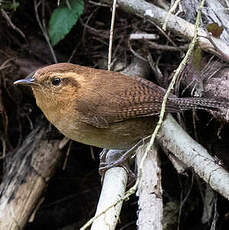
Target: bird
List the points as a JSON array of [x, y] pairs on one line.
[[103, 108]]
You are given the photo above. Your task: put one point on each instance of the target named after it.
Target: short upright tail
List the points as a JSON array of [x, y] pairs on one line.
[[198, 103]]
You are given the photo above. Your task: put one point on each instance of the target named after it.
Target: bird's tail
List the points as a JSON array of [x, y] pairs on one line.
[[199, 103]]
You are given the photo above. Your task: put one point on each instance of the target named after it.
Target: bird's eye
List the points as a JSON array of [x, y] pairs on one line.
[[56, 81]]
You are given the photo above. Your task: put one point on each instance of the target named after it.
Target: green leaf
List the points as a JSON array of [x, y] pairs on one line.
[[63, 19], [14, 5], [7, 5], [197, 58]]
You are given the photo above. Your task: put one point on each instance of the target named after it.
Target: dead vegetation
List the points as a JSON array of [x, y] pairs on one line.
[[69, 197]]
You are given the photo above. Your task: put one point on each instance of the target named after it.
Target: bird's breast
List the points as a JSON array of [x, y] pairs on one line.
[[120, 135]]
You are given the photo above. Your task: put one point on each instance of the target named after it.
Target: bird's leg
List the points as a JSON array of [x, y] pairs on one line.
[[102, 156], [111, 158], [118, 157]]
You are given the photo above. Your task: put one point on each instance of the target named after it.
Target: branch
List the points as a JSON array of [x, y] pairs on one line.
[[114, 186], [173, 138], [149, 191], [28, 172], [175, 24]]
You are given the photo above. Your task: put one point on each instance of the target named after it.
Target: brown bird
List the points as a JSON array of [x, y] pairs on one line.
[[103, 108]]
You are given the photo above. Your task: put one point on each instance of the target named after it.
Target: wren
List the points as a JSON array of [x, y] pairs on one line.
[[103, 108]]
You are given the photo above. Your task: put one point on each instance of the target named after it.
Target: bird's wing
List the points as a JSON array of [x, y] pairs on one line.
[[121, 100]]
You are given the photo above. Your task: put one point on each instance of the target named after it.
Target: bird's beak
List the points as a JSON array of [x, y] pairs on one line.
[[26, 81]]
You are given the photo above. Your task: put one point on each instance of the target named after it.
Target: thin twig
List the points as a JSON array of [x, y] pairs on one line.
[[183, 201], [43, 29], [143, 36], [5, 15], [98, 4], [86, 23], [163, 32], [135, 53], [111, 34], [157, 46], [172, 9]]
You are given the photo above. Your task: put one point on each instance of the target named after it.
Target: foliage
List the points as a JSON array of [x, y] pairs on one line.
[[9, 5], [63, 19]]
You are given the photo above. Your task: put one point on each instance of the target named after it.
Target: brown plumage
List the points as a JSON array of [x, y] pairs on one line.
[[103, 108]]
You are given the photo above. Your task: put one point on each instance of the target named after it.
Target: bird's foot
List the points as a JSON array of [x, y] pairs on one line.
[[115, 158]]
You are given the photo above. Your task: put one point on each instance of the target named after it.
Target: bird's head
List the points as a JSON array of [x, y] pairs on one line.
[[53, 80], [55, 87]]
